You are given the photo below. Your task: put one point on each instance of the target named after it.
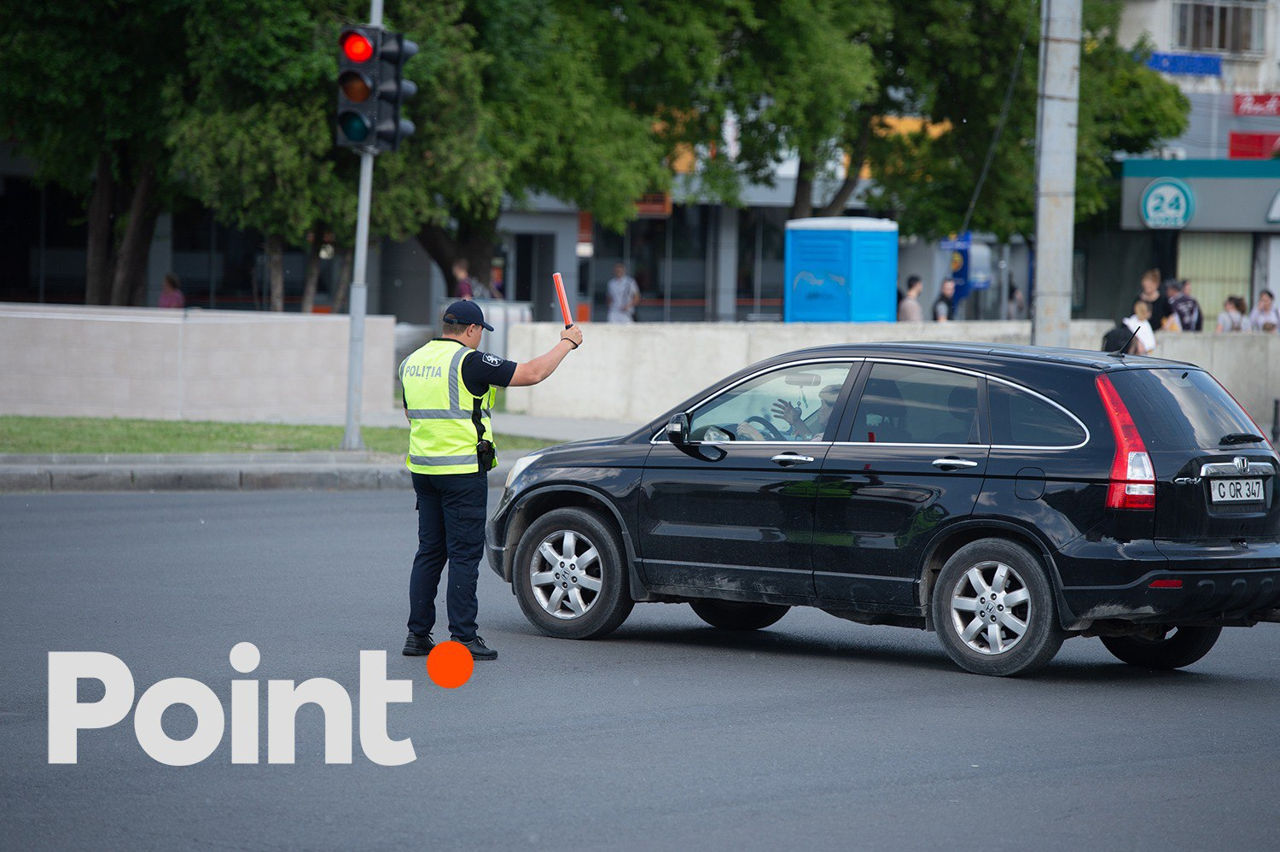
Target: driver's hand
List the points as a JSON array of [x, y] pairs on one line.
[[784, 410]]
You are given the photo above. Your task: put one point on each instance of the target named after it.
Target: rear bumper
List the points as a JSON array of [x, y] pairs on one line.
[[1215, 584]]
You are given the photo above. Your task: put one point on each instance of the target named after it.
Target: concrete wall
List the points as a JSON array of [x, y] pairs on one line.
[[1247, 364], [633, 373], [187, 365]]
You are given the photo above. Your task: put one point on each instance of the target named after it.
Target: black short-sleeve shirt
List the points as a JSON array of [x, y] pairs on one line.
[[482, 369]]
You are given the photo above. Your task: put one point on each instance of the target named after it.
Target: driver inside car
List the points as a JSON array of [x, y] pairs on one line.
[[800, 428]]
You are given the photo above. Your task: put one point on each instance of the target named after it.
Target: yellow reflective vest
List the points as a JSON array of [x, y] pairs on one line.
[[443, 414]]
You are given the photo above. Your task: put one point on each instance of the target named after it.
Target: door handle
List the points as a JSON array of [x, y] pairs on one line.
[[953, 464], [791, 459]]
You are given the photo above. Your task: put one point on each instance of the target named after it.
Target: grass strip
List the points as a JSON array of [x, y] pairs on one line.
[[44, 435]]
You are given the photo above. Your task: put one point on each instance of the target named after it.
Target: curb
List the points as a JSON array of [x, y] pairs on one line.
[[192, 473]]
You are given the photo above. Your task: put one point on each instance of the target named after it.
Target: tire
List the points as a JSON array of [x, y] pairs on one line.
[[1181, 648], [732, 615], [582, 592], [1013, 632]]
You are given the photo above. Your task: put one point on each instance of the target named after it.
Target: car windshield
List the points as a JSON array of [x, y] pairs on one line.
[[1180, 409]]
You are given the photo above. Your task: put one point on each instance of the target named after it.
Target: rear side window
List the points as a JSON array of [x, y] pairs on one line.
[[1025, 420], [906, 404], [1180, 409]]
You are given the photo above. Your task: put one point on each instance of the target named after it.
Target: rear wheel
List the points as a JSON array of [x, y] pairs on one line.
[[1180, 648], [993, 609], [569, 575], [732, 615]]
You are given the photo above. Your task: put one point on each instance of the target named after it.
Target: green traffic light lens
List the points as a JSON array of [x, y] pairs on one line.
[[353, 126]]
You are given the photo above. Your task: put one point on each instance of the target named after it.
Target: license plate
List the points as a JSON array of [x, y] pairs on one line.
[[1235, 490]]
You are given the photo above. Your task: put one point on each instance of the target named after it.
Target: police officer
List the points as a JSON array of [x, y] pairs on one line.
[[448, 393]]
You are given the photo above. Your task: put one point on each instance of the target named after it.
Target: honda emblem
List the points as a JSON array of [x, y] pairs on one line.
[[1242, 464]]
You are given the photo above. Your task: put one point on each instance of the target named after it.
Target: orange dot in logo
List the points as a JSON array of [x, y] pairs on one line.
[[449, 664]]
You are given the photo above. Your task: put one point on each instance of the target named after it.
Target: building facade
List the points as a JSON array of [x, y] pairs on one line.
[[1224, 55]]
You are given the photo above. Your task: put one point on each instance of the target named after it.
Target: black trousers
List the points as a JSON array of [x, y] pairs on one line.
[[451, 516]]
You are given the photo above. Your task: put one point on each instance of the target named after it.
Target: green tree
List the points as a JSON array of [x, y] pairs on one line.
[[802, 80], [82, 98], [954, 59], [251, 125], [583, 102]]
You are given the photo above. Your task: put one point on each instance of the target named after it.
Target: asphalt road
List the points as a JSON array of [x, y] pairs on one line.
[[814, 733]]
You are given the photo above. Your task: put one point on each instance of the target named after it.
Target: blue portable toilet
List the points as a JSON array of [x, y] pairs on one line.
[[841, 269]]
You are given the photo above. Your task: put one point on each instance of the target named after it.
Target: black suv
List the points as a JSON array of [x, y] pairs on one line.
[[1005, 497]]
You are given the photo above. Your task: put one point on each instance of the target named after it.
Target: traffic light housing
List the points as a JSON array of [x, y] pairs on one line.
[[393, 89], [372, 88], [359, 69]]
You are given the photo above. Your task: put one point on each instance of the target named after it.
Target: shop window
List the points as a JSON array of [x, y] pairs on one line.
[[1217, 266]]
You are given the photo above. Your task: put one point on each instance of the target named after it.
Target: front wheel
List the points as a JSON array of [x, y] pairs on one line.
[[1180, 648], [732, 615], [994, 611], [569, 575]]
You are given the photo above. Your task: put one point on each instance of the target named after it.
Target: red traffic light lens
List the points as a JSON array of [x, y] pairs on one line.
[[357, 47], [355, 87]]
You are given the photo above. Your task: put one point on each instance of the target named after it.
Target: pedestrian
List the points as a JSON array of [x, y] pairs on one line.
[[1234, 316], [1157, 304], [448, 394], [910, 309], [623, 294], [1140, 320], [462, 287], [1184, 306], [944, 307], [1017, 304], [1265, 316], [171, 293]]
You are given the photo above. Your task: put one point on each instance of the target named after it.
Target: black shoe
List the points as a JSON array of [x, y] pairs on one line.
[[417, 646], [479, 650]]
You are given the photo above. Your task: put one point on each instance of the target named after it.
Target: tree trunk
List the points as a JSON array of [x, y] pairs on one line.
[[97, 272], [343, 289], [857, 155], [275, 270], [473, 241], [439, 245], [802, 203], [129, 284], [313, 271]]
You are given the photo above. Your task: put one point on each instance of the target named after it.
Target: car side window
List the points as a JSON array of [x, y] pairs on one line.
[[788, 404], [1022, 419], [909, 404]]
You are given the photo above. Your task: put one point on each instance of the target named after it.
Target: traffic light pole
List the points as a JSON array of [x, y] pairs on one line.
[[359, 289], [359, 297]]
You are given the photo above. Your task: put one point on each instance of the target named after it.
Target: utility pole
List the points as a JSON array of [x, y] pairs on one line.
[[1056, 126]]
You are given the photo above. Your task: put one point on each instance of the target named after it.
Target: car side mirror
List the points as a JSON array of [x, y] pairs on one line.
[[678, 430]]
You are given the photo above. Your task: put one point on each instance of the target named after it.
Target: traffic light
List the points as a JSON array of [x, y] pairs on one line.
[[358, 86], [393, 89]]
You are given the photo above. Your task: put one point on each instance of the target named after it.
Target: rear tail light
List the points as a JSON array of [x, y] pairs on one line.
[[1133, 478]]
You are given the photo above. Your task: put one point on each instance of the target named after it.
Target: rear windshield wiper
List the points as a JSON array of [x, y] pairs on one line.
[[1240, 438]]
